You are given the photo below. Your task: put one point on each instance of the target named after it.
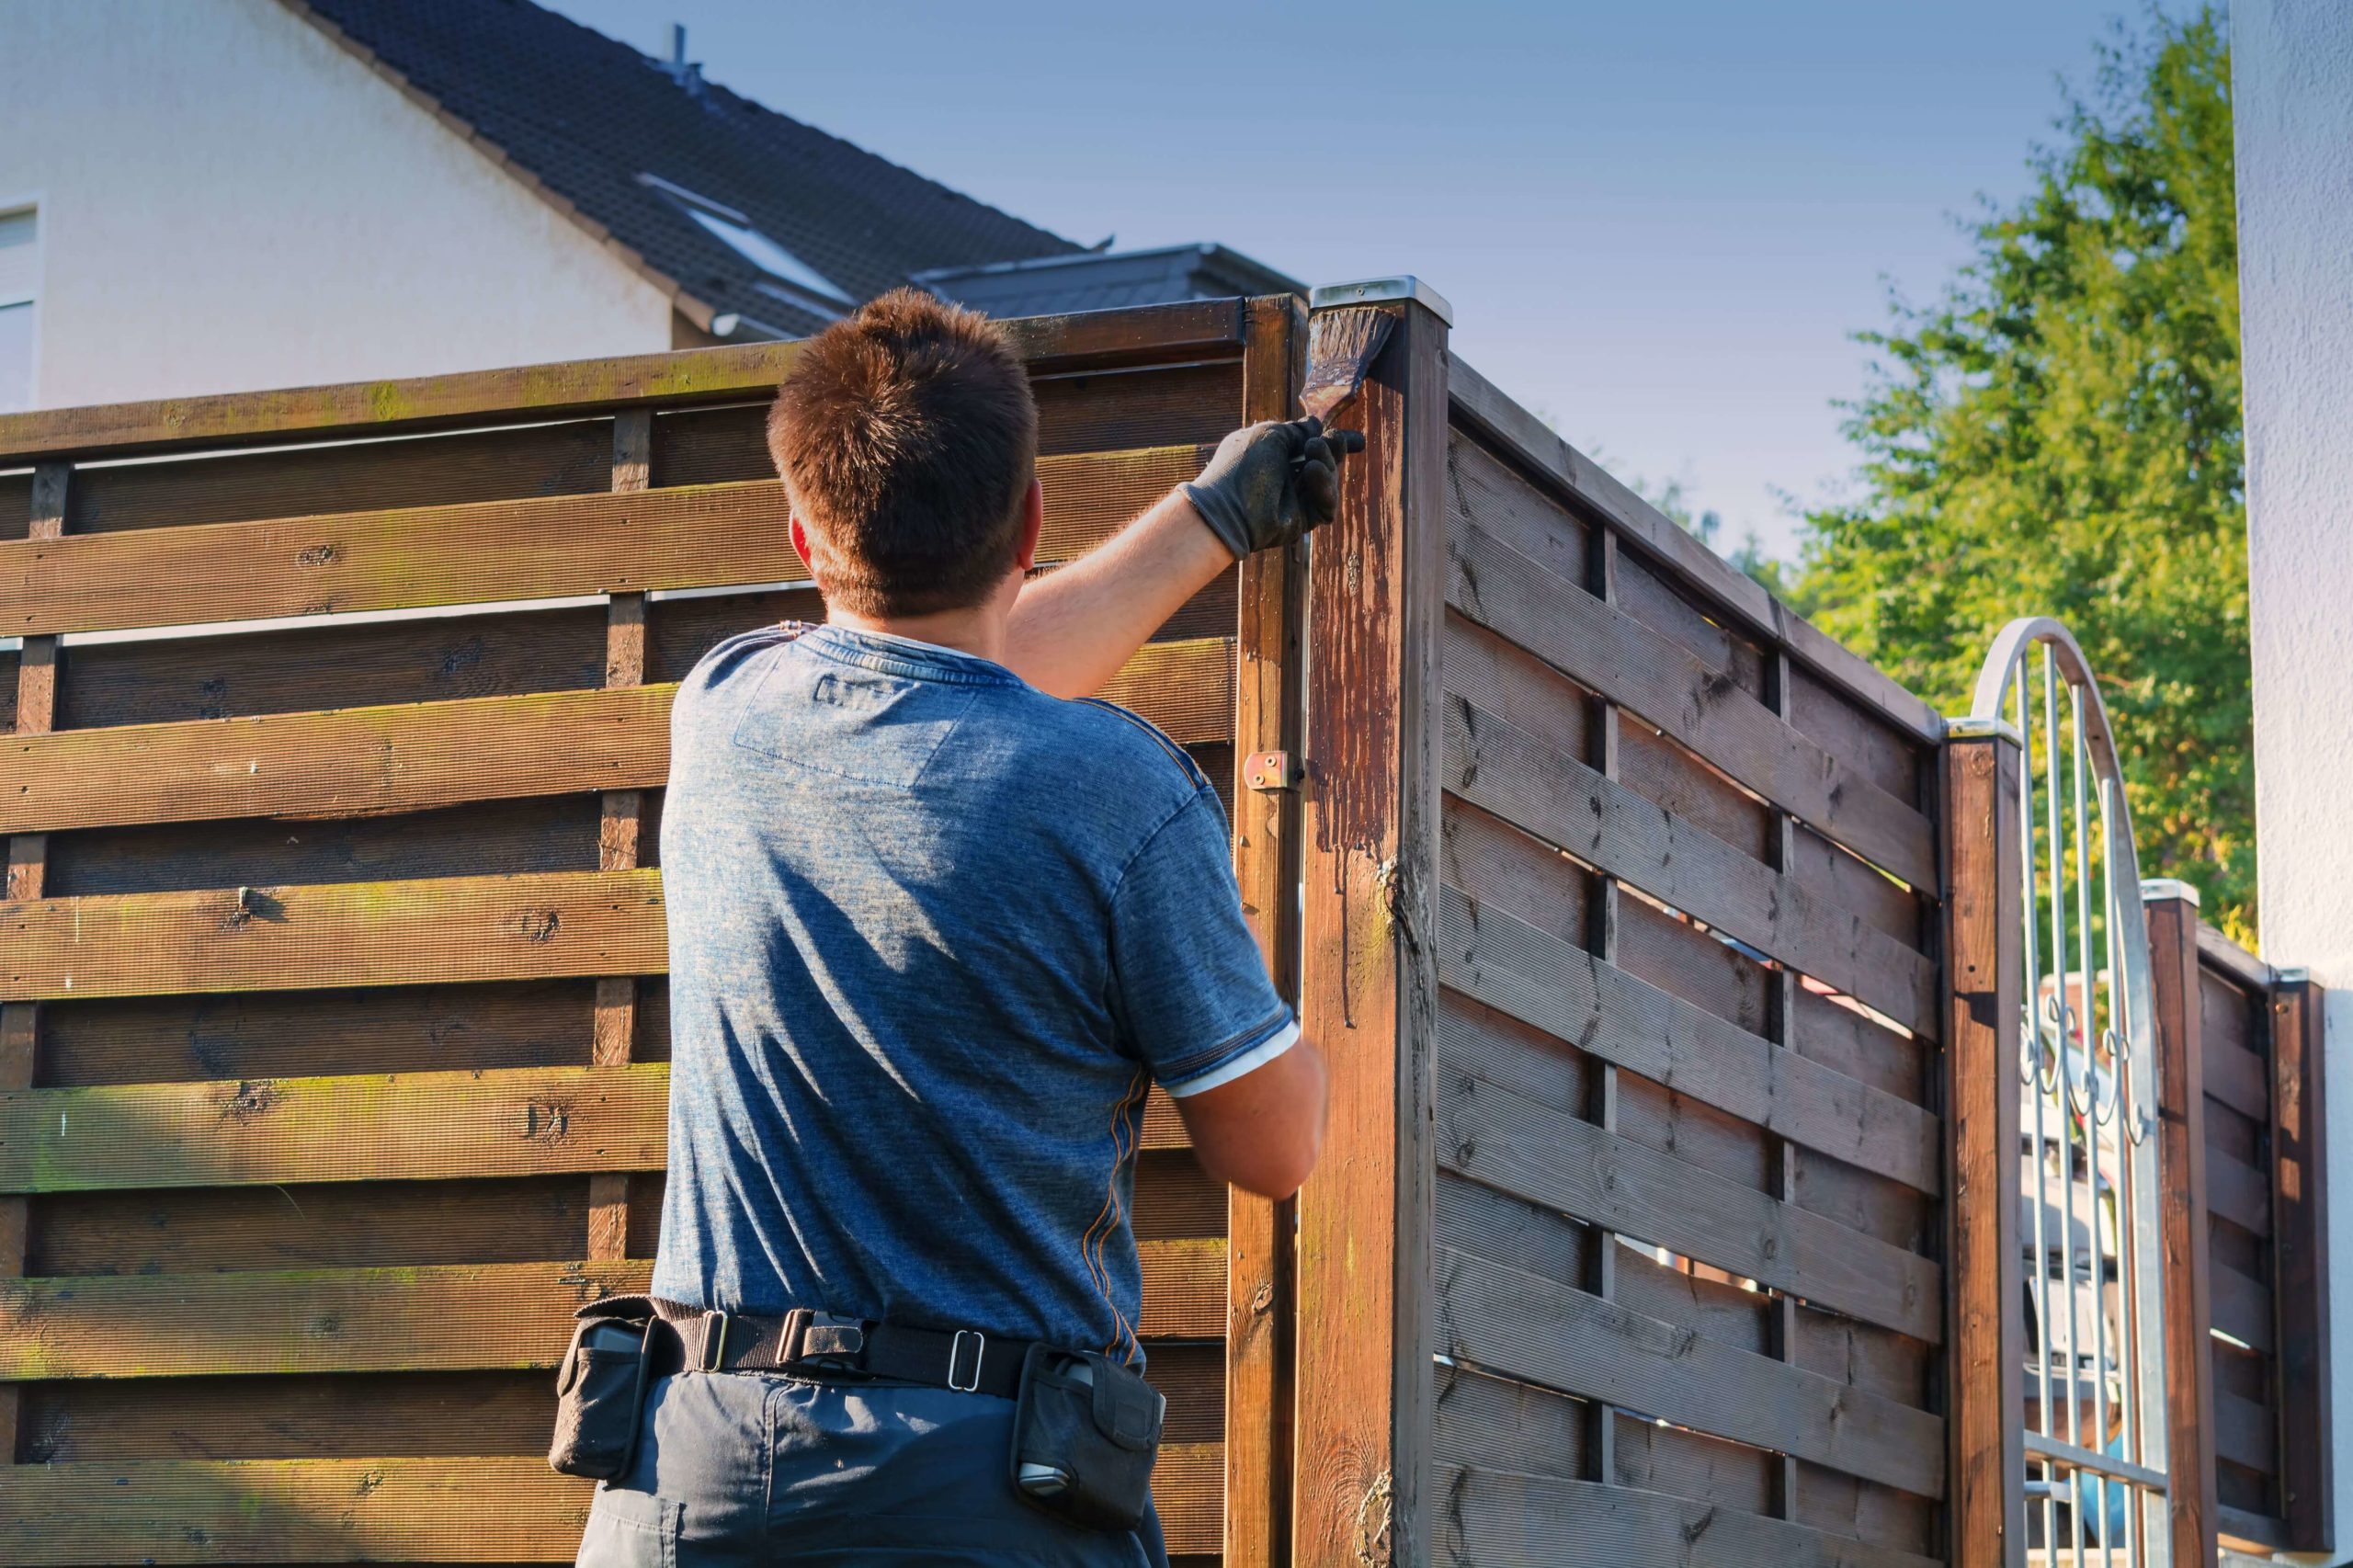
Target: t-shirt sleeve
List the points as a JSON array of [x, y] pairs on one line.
[[1190, 986]]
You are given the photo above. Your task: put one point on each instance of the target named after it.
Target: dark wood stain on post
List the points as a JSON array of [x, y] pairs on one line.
[[2181, 1217], [2299, 1229]]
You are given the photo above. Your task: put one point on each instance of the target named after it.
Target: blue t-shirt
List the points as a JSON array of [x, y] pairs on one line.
[[933, 934]]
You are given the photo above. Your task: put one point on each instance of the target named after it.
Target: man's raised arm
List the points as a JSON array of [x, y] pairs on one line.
[[1266, 485]]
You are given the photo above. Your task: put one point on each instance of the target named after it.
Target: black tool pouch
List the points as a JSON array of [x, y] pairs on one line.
[[601, 1388], [1084, 1434]]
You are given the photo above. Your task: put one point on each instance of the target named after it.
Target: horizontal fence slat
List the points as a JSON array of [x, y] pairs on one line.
[[446, 1318], [538, 925], [416, 757], [1506, 1520], [408, 1127], [1574, 996], [488, 1509], [1603, 648], [1537, 1330], [2237, 1077], [2238, 1193], [488, 552], [2242, 1307], [2245, 1432], [1506, 771], [1149, 335], [1532, 1150]]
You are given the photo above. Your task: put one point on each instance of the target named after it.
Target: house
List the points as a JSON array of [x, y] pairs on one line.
[[227, 194]]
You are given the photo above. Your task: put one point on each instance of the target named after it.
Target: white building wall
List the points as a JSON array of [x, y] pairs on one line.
[[2292, 87], [229, 202]]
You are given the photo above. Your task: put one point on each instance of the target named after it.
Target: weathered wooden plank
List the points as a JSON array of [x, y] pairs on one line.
[[1502, 1520], [2300, 1264], [1208, 328], [364, 1320], [1984, 1375], [1367, 991], [1528, 1327], [412, 1127], [1605, 649], [688, 536], [415, 757], [2238, 1192], [487, 1509], [2182, 1220], [1575, 996], [1507, 772], [1529, 442], [1535, 1151], [2243, 1308], [2238, 1077], [344, 934]]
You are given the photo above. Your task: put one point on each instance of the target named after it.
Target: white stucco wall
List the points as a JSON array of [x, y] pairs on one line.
[[2292, 87], [229, 202]]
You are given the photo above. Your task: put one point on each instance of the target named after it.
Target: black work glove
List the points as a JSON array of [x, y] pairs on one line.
[[1268, 483]]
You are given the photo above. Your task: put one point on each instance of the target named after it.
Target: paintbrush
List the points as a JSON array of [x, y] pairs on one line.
[[1341, 347]]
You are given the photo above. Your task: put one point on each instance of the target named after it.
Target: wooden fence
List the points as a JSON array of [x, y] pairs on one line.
[[330, 966], [2250, 1215], [332, 1032]]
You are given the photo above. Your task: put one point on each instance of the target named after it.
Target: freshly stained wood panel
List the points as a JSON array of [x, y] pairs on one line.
[[420, 1126], [1536, 1152], [353, 934], [1502, 1520], [478, 1510], [453, 1317], [695, 536], [1504, 771], [370, 761], [568, 459], [1528, 1327], [1495, 582], [316, 1415], [1574, 996]]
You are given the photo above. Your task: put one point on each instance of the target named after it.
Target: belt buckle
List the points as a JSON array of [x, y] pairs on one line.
[[956, 1351], [839, 1342]]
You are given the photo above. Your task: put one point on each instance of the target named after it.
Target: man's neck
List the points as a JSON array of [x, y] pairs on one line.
[[979, 631]]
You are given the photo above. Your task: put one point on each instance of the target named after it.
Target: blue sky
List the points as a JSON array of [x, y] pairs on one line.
[[1658, 223]]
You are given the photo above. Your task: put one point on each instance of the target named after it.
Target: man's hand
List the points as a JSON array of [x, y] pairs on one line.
[[1269, 483]]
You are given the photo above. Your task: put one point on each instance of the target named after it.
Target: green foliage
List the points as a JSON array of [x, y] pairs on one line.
[[2059, 434]]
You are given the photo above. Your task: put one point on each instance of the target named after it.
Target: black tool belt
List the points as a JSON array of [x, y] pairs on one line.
[[820, 1346]]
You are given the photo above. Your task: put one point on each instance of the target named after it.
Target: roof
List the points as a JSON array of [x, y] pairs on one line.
[[1052, 285], [585, 120]]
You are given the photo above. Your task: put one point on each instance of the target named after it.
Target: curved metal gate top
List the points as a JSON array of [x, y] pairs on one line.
[[2094, 1421]]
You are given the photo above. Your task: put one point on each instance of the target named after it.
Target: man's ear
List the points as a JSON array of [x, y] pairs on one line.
[[1033, 523], [801, 546]]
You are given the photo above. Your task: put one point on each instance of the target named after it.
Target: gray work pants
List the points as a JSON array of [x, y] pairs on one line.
[[745, 1469]]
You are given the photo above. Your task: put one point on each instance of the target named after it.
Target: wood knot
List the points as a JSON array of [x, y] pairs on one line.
[[538, 925], [250, 1100], [546, 1123], [318, 555]]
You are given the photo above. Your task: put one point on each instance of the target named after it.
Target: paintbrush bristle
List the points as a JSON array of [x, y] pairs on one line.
[[1341, 347]]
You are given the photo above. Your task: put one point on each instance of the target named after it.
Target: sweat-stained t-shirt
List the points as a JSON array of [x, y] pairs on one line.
[[933, 935]]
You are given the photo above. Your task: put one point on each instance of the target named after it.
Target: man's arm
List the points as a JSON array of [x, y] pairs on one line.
[[1262, 1131], [1074, 627], [1267, 485]]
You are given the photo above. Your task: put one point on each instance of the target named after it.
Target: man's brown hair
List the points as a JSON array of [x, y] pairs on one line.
[[906, 439]]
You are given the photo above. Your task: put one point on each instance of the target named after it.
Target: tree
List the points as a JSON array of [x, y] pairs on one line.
[[2059, 433]]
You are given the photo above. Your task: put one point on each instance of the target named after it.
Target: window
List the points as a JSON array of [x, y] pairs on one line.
[[734, 229], [19, 265]]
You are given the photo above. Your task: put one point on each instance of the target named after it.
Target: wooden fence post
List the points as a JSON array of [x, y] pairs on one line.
[[1984, 915], [2181, 1162], [1369, 992], [2300, 1280], [1260, 1299]]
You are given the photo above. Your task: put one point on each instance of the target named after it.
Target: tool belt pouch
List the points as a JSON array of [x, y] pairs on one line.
[[1086, 1431], [601, 1388]]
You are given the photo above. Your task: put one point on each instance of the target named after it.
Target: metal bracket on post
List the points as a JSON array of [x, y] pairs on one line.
[[1271, 771]]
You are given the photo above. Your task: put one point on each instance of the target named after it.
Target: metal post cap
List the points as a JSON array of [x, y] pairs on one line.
[[2156, 888], [1374, 290]]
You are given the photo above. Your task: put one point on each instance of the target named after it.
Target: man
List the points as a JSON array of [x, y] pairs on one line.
[[935, 931]]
